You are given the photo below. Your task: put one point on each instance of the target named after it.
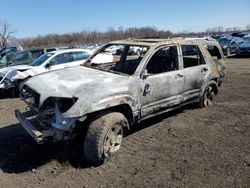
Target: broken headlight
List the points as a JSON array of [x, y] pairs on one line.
[[64, 104]]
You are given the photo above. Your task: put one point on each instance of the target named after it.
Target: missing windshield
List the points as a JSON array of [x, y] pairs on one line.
[[118, 58]]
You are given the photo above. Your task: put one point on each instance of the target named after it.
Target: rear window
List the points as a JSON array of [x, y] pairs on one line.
[[214, 51], [77, 56]]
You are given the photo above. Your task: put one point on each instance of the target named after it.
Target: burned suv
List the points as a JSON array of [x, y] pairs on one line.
[[113, 91]]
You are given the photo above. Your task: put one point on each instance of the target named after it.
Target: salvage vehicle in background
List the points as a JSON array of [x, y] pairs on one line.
[[27, 56], [9, 49], [11, 76], [244, 48], [103, 100], [6, 59], [229, 44]]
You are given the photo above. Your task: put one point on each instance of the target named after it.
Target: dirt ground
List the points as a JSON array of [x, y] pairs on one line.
[[189, 147]]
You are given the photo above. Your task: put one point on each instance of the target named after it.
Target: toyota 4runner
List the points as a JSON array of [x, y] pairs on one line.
[[107, 96]]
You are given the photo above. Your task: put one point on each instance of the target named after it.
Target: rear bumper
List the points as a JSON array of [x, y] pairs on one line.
[[30, 128]]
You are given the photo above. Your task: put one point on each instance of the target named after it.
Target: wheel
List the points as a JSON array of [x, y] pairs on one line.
[[208, 95], [228, 52], [104, 137]]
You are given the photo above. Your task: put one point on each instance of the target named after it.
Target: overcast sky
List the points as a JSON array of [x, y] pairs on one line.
[[31, 17]]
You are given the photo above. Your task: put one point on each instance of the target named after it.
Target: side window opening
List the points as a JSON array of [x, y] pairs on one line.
[[130, 59], [214, 51], [164, 60], [119, 58], [192, 56]]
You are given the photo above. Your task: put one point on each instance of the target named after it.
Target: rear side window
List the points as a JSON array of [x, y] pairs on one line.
[[77, 56], [214, 51], [192, 56], [60, 59]]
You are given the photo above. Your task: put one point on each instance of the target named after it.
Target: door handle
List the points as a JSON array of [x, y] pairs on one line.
[[179, 76], [147, 89], [204, 69]]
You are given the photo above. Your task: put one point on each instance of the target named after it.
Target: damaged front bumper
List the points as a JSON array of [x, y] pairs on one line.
[[30, 128], [41, 133]]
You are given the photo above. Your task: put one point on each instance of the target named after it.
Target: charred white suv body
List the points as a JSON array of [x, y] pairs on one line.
[[108, 98], [11, 76]]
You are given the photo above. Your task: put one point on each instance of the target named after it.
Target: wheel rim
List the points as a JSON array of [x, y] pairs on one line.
[[209, 96], [228, 51], [113, 140]]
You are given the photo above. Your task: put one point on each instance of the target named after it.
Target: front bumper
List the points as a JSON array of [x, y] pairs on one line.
[[40, 132], [30, 128]]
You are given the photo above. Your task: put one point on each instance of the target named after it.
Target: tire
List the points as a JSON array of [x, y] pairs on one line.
[[104, 137], [208, 94]]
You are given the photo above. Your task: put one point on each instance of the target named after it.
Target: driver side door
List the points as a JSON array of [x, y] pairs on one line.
[[162, 82]]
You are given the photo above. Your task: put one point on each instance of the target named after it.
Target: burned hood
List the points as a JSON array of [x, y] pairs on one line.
[[80, 82]]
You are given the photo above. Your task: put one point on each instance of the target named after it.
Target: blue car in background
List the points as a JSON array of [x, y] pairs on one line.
[[229, 44], [244, 48]]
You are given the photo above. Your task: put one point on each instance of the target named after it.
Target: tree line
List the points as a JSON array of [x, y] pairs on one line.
[[97, 37]]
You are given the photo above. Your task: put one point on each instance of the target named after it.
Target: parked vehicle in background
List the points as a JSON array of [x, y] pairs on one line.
[[244, 48], [105, 100], [7, 59], [27, 56], [11, 76], [229, 44], [9, 49], [216, 37]]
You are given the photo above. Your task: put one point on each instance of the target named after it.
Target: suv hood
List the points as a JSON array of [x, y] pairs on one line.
[[80, 82]]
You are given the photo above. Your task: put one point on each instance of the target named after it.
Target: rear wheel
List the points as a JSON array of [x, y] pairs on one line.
[[208, 95], [104, 137]]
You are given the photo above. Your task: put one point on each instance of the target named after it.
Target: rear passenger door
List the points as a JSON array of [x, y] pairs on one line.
[[195, 71]]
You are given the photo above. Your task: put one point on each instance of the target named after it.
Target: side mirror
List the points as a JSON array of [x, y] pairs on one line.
[[48, 65], [144, 74]]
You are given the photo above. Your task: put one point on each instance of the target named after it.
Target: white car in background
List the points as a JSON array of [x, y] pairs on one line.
[[11, 76]]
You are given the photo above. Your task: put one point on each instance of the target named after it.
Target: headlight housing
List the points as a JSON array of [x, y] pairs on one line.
[[64, 104]]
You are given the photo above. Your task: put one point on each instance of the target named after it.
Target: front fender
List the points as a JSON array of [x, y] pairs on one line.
[[81, 108]]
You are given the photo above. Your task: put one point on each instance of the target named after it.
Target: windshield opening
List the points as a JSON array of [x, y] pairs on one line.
[[246, 39], [41, 59], [118, 58], [224, 40]]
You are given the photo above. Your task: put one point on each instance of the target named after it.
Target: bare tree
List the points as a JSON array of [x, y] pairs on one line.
[[6, 32]]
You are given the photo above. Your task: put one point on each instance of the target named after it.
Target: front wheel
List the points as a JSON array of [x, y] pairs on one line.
[[104, 137]]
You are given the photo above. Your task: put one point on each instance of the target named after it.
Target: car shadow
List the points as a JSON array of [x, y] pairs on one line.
[[9, 94], [20, 153]]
